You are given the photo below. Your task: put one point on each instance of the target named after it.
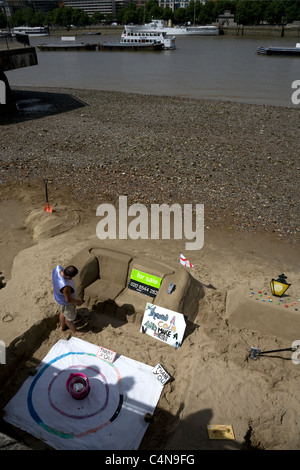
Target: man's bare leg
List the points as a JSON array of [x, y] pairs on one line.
[[72, 328], [62, 321]]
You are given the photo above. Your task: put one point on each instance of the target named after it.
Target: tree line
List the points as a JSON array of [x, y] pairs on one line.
[[246, 12], [60, 17]]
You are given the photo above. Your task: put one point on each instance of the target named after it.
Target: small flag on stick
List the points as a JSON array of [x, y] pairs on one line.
[[185, 261]]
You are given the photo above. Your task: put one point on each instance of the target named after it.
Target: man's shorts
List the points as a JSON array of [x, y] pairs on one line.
[[69, 311]]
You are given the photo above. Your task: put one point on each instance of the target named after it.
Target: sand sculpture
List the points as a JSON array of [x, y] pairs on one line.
[[104, 277]]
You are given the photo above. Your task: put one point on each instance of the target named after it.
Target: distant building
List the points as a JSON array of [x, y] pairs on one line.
[[123, 3], [107, 7], [89, 6], [10, 6], [7, 9], [174, 5], [44, 5], [226, 19]]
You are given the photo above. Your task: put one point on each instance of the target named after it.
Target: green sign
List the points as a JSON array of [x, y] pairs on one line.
[[145, 278], [144, 283]]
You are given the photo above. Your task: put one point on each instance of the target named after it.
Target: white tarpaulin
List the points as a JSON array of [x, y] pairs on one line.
[[111, 416]]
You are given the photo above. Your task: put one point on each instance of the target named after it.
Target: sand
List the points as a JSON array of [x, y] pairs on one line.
[[214, 380]]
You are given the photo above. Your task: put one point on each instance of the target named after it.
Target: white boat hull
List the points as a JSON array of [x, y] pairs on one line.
[[186, 32], [31, 32], [200, 32], [159, 26], [138, 35]]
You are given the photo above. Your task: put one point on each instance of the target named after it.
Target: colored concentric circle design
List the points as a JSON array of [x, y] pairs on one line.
[[63, 412], [36, 417]]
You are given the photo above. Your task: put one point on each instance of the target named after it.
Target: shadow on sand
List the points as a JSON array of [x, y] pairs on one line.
[[26, 105]]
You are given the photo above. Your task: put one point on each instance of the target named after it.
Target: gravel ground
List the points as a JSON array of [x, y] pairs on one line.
[[241, 161]]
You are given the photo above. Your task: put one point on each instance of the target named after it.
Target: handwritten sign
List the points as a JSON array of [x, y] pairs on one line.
[[163, 324], [161, 374], [144, 283], [106, 354]]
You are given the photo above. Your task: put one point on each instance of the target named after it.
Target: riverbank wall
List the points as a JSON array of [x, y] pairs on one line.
[[261, 30]]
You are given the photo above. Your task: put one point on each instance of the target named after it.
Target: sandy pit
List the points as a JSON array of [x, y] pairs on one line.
[[215, 382]]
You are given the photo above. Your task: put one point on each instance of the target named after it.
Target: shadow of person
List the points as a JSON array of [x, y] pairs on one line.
[[191, 434], [107, 406], [82, 322], [94, 320]]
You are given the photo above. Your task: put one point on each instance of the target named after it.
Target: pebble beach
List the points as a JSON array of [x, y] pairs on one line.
[[241, 161]]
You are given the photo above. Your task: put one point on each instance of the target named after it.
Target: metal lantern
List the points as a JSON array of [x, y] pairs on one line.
[[279, 286]]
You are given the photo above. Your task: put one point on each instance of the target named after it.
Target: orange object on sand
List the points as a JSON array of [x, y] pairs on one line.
[[47, 208]]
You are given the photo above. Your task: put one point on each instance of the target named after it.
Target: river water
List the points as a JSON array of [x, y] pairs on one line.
[[222, 68]]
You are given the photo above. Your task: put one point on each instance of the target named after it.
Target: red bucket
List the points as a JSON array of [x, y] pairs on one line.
[[78, 385]]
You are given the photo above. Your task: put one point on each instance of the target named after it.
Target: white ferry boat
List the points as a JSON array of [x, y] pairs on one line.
[[31, 31], [139, 35], [160, 25]]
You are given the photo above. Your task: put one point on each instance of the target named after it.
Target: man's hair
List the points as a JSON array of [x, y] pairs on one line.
[[70, 271]]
